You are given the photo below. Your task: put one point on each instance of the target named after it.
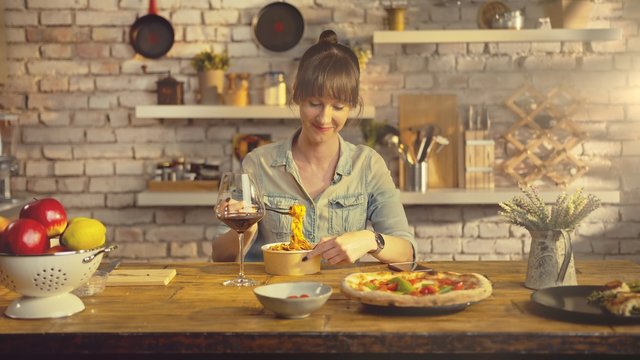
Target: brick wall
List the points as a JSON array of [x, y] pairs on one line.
[[75, 81]]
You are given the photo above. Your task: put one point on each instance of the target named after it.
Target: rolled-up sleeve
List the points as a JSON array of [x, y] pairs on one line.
[[386, 211]]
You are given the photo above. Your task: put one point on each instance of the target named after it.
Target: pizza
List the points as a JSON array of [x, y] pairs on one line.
[[416, 288], [618, 298]]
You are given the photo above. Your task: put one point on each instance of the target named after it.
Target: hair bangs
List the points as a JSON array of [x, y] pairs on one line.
[[329, 78]]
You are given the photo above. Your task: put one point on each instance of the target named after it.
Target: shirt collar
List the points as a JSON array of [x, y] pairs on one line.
[[285, 157]]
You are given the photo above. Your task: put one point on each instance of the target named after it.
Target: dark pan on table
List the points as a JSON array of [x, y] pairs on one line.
[[570, 303]]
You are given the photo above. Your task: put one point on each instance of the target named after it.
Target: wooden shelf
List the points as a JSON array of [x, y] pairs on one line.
[[432, 197], [228, 112], [494, 35]]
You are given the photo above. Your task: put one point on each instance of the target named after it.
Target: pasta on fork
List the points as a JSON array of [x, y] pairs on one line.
[[297, 240]]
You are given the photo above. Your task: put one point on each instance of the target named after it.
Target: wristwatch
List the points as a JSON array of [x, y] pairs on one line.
[[379, 242]]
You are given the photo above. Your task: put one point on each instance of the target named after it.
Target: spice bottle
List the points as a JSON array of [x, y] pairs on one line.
[[275, 89]]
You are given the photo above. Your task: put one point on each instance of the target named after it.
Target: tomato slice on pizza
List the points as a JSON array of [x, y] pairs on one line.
[[417, 288]]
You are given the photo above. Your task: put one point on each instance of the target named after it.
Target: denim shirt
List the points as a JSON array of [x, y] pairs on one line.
[[362, 192]]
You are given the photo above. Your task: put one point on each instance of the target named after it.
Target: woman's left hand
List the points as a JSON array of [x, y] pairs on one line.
[[348, 247]]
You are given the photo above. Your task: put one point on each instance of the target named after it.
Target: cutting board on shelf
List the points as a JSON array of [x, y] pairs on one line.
[[441, 110], [140, 277]]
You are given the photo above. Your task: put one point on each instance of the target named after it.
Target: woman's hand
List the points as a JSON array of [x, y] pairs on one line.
[[348, 247]]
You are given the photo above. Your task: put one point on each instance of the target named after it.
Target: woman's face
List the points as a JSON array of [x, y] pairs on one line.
[[323, 117]]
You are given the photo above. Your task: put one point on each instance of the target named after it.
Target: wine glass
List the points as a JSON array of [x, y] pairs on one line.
[[239, 206]]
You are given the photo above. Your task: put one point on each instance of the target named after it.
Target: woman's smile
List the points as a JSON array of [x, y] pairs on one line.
[[324, 128]]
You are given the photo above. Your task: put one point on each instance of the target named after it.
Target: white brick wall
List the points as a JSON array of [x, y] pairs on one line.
[[75, 81]]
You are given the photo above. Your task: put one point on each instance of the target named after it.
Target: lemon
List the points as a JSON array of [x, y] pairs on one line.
[[84, 233]]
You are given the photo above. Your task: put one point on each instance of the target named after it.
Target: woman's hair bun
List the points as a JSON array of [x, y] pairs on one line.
[[328, 36]]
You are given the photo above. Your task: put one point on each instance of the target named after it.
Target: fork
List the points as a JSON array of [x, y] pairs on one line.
[[278, 211]]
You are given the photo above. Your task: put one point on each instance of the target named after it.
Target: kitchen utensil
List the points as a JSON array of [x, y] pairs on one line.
[[141, 277], [96, 284], [278, 26], [422, 150], [394, 141], [385, 130], [45, 281], [277, 211], [410, 266], [152, 35], [415, 177], [572, 302], [488, 12], [440, 111]]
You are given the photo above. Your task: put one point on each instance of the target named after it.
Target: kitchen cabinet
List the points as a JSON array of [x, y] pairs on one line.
[[494, 35], [432, 197], [229, 112]]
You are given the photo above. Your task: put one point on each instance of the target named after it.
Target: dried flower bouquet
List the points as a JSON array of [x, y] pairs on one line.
[[533, 214]]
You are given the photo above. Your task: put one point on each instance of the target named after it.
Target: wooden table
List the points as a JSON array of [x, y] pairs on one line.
[[195, 315]]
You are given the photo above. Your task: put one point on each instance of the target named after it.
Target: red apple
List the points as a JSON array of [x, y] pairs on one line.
[[4, 245], [26, 237], [49, 212]]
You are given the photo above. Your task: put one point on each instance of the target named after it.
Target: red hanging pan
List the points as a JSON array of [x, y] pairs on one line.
[[151, 35], [278, 26]]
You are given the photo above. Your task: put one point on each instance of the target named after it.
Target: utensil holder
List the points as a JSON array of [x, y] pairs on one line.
[[479, 158], [414, 177]]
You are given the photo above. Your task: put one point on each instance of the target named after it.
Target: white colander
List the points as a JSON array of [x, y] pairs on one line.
[[46, 281]]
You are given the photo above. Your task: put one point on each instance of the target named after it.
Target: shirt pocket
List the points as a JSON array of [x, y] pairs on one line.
[[347, 213], [278, 224]]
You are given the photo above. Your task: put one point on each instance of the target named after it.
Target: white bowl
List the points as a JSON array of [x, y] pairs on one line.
[[289, 262], [275, 298], [45, 281]]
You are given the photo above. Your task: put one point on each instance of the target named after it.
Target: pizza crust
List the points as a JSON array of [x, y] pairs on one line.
[[349, 287]]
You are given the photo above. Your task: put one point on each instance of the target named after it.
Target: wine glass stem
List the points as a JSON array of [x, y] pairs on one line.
[[241, 254]]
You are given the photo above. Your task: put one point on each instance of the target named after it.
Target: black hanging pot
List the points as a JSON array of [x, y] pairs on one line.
[[278, 26], [151, 35]]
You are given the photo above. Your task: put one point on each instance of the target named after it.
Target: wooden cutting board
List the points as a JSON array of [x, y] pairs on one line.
[[138, 277], [441, 110]]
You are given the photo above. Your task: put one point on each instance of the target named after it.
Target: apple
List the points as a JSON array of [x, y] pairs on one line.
[[4, 245], [26, 237], [49, 212]]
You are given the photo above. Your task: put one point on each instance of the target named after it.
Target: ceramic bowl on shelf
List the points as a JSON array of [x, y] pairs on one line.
[[293, 300], [289, 262], [45, 281]]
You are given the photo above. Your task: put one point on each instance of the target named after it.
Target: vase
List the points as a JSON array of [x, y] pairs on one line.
[[211, 86], [568, 14], [550, 260]]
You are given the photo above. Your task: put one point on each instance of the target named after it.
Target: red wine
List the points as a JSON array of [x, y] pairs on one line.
[[241, 222]]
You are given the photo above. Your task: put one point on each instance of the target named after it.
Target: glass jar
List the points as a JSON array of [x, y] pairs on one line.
[[275, 88]]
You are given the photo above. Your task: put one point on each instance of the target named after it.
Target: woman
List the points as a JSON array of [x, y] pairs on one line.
[[342, 186]]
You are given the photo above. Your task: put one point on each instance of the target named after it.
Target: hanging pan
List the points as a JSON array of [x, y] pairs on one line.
[[278, 26], [151, 35]]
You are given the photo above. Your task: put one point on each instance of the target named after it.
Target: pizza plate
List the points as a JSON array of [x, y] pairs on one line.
[[570, 303], [412, 310]]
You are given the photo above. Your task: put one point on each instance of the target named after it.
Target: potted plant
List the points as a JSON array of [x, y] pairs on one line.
[[211, 67], [550, 257]]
